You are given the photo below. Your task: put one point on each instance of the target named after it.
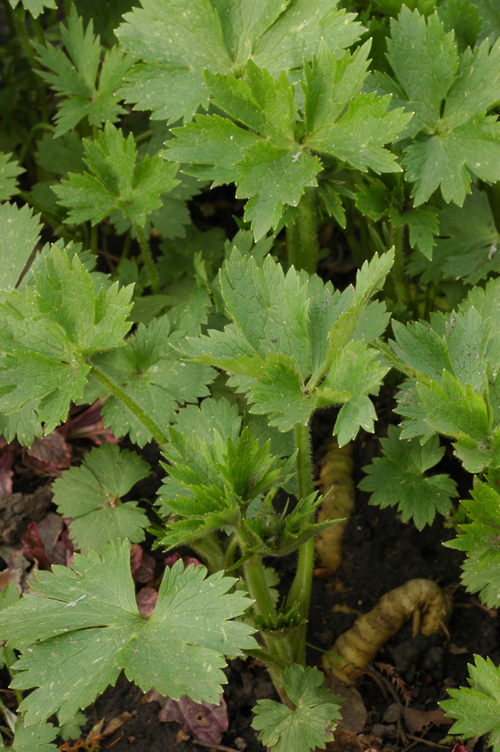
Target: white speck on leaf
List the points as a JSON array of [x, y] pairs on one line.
[[73, 603]]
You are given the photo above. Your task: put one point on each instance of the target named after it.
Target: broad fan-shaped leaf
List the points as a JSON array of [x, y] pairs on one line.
[[88, 617], [178, 42], [34, 738]]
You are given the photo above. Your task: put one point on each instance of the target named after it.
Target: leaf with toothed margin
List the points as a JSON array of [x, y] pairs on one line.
[[75, 621]]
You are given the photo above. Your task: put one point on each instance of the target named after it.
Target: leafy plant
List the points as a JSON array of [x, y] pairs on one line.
[[380, 127]]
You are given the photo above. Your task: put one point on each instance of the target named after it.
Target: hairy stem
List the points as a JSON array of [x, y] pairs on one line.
[[117, 391], [148, 259], [302, 234], [210, 551], [300, 591]]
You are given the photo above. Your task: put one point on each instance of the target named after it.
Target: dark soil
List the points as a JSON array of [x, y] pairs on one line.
[[410, 676]]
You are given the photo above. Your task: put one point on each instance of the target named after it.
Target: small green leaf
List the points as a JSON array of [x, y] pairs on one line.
[[116, 182], [467, 246], [476, 709], [34, 738], [91, 496], [425, 62], [343, 122], [478, 537], [271, 178], [309, 723], [398, 479], [73, 75]]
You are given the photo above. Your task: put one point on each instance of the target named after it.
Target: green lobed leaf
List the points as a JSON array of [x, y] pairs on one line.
[[9, 171], [116, 182], [467, 246], [450, 96], [343, 122], [214, 472], [153, 374], [48, 333], [271, 178], [34, 738], [427, 73], [178, 44], [90, 495], [423, 225], [309, 722], [88, 616], [475, 709], [35, 7], [478, 537], [87, 86], [286, 339], [453, 362], [398, 479], [19, 229]]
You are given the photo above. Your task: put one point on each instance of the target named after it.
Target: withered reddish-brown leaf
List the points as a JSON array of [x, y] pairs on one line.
[[49, 455], [146, 600], [142, 565], [202, 721]]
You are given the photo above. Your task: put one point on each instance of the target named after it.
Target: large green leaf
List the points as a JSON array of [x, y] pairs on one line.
[[86, 628]]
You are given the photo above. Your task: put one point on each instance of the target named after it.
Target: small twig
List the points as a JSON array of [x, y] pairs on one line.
[[421, 740], [214, 746]]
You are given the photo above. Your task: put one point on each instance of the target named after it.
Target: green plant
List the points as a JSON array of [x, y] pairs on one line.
[[219, 352]]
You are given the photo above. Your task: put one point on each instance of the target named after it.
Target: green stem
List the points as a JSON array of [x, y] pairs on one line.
[[22, 35], [94, 239], [117, 391], [397, 271], [126, 246], [302, 234], [148, 259], [230, 551], [210, 551], [300, 591]]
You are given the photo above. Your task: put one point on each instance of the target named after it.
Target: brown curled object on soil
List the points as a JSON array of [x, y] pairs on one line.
[[357, 647], [335, 480]]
